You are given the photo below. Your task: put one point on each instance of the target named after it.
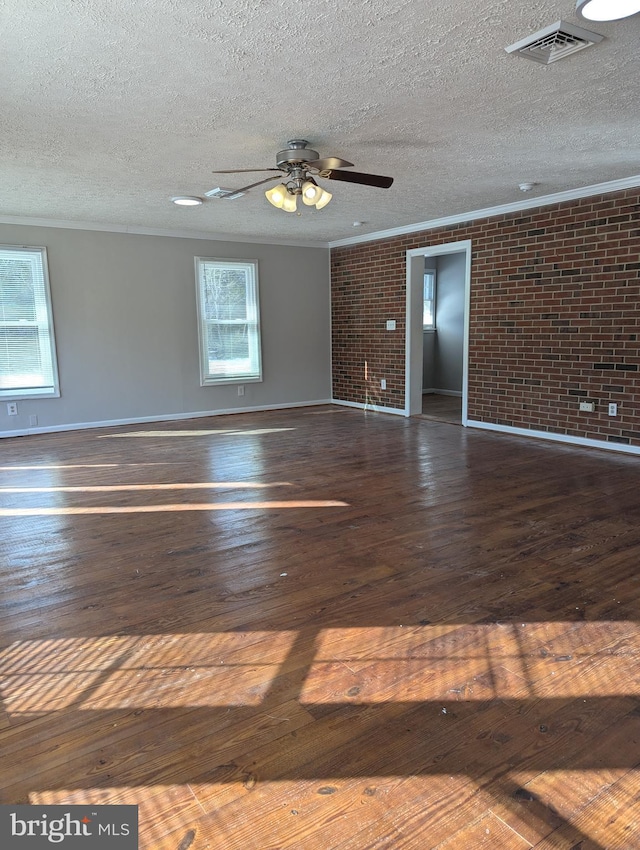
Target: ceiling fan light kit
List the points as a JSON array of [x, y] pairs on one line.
[[289, 204], [285, 197], [277, 195], [325, 197], [607, 10], [314, 195], [311, 193]]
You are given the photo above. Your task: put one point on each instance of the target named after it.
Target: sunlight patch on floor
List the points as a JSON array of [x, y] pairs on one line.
[[504, 812], [440, 664], [211, 432], [146, 671], [182, 506], [86, 465], [115, 488], [475, 662]]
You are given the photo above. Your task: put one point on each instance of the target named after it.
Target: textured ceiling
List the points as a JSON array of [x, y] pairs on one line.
[[110, 107]]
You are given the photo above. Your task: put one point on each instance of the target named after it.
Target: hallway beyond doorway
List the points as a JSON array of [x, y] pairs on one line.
[[443, 408]]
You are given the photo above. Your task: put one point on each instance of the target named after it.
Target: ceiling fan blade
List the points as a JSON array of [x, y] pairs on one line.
[[329, 162], [244, 170], [357, 177], [259, 183]]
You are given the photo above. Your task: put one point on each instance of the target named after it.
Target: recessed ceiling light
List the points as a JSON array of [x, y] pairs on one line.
[[187, 201], [607, 10]]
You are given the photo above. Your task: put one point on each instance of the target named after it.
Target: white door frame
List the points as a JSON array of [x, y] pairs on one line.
[[414, 340]]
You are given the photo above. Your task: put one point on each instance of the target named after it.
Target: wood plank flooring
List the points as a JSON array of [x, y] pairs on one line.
[[324, 629]]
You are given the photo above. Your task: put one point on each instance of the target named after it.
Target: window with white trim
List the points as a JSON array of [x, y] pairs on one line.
[[429, 301], [228, 321], [27, 347]]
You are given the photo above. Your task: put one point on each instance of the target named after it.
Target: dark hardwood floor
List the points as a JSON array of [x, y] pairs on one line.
[[324, 629]]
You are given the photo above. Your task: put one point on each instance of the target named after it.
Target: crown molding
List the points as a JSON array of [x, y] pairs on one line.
[[473, 215], [489, 212], [63, 224]]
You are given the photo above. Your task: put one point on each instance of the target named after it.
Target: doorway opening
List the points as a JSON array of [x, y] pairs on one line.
[[437, 344]]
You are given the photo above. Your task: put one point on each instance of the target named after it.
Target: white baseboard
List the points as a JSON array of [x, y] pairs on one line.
[[376, 408], [168, 417], [471, 423], [556, 438]]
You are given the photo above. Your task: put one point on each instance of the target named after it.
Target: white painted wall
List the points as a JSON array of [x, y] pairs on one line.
[[126, 328]]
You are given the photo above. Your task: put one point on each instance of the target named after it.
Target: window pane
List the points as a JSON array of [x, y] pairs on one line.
[[27, 353], [225, 295], [226, 342], [228, 349], [429, 302], [17, 296], [429, 278], [21, 358]]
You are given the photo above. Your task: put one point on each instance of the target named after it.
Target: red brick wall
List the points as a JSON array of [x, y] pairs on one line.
[[554, 317]]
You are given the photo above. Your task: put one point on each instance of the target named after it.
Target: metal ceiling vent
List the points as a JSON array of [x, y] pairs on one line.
[[554, 42]]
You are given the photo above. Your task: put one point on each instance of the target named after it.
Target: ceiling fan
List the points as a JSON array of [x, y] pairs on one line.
[[297, 167]]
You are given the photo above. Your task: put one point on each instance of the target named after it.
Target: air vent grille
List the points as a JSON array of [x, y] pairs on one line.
[[554, 43], [224, 194]]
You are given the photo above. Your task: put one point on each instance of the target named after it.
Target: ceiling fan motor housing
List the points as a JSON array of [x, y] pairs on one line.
[[296, 153]]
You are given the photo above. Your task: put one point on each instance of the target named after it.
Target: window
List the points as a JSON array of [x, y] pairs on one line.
[[429, 301], [228, 321], [27, 347]]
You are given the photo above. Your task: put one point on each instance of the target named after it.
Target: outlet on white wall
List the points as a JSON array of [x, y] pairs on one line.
[[12, 408]]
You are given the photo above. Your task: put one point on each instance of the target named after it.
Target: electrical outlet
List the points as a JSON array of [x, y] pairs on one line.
[[391, 324], [613, 409], [383, 384], [12, 408], [587, 406], [240, 390]]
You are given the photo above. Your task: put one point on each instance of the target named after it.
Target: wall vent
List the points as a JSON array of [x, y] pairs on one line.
[[554, 42]]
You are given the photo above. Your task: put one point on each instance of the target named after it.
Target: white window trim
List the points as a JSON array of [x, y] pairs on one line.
[[205, 379], [28, 392]]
